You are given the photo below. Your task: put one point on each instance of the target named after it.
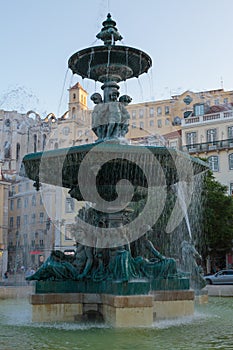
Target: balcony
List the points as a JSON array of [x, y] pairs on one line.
[[209, 146], [207, 118]]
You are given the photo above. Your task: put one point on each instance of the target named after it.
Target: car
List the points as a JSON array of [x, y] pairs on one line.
[[220, 277]]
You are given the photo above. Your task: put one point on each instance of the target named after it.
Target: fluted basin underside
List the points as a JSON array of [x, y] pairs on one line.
[[104, 165], [115, 63]]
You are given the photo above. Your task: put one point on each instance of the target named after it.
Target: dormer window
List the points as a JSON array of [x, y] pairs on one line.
[[199, 109]]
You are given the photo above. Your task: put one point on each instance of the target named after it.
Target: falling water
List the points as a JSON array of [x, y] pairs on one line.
[[62, 93], [89, 63], [108, 63], [141, 90], [183, 192]]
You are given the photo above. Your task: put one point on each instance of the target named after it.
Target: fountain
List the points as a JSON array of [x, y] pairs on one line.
[[116, 272]]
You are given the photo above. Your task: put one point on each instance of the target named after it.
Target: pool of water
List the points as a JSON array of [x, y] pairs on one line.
[[211, 327]]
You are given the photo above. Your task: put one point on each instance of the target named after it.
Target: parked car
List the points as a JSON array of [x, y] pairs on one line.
[[220, 277]]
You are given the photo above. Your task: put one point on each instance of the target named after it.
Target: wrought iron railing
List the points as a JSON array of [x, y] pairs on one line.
[[209, 146]]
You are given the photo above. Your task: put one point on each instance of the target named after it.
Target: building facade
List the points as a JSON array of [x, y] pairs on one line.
[[199, 123]]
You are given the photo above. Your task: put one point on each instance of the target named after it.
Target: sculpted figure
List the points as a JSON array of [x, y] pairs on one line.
[[60, 267], [98, 116], [83, 260], [56, 267], [189, 264], [157, 265], [110, 120]]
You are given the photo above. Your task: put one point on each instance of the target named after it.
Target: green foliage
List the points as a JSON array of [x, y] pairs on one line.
[[217, 219]]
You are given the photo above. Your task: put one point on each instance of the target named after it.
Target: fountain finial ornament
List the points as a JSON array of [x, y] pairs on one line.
[[110, 64], [109, 33]]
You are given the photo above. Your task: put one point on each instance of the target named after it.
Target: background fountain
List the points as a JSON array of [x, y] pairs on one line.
[[116, 271]]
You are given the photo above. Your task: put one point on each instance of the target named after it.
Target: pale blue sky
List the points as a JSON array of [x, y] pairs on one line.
[[189, 41]]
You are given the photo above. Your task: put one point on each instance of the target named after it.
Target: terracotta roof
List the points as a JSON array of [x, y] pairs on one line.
[[77, 86], [172, 134], [220, 108]]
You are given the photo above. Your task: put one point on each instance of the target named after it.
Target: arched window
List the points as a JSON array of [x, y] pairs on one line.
[[213, 163], [35, 142], [73, 113], [7, 150], [230, 160], [17, 151], [56, 145], [44, 141]]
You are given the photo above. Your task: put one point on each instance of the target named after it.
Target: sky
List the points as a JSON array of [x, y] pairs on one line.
[[189, 41]]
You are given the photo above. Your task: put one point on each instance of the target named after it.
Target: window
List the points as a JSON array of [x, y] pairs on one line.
[[133, 114], [159, 123], [159, 110], [12, 204], [213, 163], [27, 186], [25, 219], [18, 203], [56, 145], [19, 188], [11, 222], [231, 188], [33, 218], [69, 205], [74, 96], [173, 144], [167, 110], [66, 130], [199, 109], [225, 100], [211, 135], [17, 151], [141, 125], [141, 113], [134, 125], [152, 112], [152, 123], [216, 102], [44, 141], [41, 201], [18, 221], [26, 202], [35, 142], [191, 138], [167, 121], [231, 161], [7, 150], [41, 218], [230, 132], [33, 200], [41, 242], [68, 234], [73, 113]]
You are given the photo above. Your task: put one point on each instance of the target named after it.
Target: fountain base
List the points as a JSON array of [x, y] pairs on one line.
[[115, 310]]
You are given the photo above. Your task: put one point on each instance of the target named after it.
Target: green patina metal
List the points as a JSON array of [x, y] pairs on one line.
[[113, 270]]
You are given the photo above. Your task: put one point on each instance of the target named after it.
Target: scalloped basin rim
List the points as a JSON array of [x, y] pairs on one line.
[[112, 148]]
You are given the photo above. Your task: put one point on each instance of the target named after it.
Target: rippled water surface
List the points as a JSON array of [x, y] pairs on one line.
[[211, 327]]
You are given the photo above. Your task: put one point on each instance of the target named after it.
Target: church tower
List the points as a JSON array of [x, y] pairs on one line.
[[77, 100]]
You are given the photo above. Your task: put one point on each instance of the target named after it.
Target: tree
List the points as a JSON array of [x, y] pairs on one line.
[[217, 235]]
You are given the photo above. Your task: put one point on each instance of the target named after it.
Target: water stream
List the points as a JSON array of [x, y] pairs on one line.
[[209, 328]]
